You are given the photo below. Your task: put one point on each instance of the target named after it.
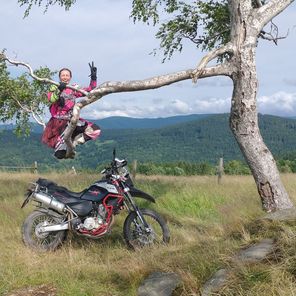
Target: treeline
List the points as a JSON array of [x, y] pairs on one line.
[[287, 163], [233, 167]]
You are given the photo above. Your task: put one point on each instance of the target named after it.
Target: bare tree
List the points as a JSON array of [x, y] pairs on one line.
[[247, 20]]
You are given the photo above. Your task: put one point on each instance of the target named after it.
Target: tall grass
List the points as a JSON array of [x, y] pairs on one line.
[[209, 223]]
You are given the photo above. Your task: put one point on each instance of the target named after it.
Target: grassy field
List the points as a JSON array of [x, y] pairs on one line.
[[209, 223]]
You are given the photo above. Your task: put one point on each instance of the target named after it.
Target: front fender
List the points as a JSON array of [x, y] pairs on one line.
[[139, 193]]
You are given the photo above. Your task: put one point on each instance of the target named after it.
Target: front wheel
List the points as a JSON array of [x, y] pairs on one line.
[[35, 239], [137, 235]]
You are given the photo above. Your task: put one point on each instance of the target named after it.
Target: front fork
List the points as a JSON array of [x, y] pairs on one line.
[[131, 205]]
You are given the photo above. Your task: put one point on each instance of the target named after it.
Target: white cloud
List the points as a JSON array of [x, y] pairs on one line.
[[163, 108], [212, 105], [180, 107], [280, 103], [215, 82]]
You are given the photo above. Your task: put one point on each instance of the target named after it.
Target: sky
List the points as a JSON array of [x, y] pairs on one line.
[[102, 31]]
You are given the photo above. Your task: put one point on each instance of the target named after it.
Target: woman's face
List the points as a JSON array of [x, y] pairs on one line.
[[65, 76]]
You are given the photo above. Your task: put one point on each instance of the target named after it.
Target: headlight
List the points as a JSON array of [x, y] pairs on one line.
[[123, 171]]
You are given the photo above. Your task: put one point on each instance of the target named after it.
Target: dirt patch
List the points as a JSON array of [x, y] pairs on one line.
[[43, 290]]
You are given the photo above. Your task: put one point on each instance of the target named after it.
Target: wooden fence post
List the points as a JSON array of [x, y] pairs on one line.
[[220, 170], [74, 170], [35, 169], [134, 169]]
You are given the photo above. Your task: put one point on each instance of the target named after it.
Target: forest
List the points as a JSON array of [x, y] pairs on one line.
[[180, 146]]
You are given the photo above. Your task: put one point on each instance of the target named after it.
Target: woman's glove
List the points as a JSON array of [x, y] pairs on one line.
[[61, 102], [93, 71], [62, 86]]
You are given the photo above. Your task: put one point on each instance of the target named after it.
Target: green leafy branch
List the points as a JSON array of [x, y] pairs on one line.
[[29, 3]]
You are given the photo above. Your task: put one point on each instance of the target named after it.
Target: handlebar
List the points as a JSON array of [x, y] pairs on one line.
[[115, 165]]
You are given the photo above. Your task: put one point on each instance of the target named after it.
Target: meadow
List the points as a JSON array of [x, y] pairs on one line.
[[209, 224]]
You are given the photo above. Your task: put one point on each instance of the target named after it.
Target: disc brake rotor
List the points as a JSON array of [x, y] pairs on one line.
[[145, 237]]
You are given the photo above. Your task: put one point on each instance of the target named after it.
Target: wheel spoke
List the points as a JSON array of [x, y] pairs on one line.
[[42, 240], [139, 236]]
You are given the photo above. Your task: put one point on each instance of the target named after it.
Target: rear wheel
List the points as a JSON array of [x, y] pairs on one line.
[[32, 236], [136, 235]]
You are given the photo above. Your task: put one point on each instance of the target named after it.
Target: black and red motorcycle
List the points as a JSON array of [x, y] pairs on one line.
[[91, 212]]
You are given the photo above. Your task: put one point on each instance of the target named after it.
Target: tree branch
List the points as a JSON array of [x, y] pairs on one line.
[[268, 11], [228, 48], [151, 83], [136, 85], [45, 80], [36, 117], [70, 129]]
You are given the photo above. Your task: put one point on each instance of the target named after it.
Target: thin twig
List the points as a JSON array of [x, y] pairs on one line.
[[272, 35], [37, 117], [203, 39]]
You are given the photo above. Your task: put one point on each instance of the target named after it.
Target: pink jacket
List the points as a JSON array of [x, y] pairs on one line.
[[69, 95]]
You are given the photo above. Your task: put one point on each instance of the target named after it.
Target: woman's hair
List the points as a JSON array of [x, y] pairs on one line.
[[65, 69]]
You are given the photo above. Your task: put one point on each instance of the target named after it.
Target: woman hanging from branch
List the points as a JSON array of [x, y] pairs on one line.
[[62, 100]]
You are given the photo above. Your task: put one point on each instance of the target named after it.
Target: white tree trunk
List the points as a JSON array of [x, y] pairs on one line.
[[244, 125], [243, 117]]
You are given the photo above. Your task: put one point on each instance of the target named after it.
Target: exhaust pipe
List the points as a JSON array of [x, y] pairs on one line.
[[50, 202]]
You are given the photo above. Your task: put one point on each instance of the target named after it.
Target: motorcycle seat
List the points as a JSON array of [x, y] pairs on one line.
[[53, 187], [81, 207], [76, 195]]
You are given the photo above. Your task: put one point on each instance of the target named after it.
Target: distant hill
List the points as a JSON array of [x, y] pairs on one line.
[[202, 140], [120, 122], [199, 140]]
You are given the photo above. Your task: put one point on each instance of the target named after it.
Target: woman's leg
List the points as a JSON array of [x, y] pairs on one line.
[[92, 132]]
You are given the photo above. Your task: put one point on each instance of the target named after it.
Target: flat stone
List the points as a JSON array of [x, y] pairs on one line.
[[282, 215], [256, 252], [159, 284], [215, 283]]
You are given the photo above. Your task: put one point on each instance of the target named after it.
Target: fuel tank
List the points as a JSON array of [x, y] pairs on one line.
[[99, 190]]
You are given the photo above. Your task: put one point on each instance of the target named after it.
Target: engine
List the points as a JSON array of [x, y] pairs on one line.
[[91, 223]]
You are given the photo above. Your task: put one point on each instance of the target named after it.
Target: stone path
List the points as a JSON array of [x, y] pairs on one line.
[[163, 284], [252, 254], [159, 284]]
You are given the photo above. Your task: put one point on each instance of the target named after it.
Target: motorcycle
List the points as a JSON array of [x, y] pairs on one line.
[[91, 212]]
